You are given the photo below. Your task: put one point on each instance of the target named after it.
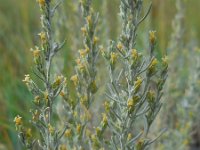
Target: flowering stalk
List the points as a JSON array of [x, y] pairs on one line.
[[46, 93], [84, 81], [131, 95]]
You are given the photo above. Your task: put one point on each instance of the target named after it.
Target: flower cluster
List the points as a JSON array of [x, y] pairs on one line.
[[134, 87], [45, 92]]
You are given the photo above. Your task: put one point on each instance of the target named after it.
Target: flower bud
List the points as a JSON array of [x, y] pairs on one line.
[[51, 129], [18, 120], [152, 66], [137, 84], [152, 37], [74, 79], [78, 128], [68, 133], [113, 58], [41, 2]]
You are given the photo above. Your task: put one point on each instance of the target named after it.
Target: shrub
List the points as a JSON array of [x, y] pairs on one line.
[[134, 87]]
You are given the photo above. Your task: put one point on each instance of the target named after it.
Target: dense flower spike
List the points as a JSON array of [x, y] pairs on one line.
[[130, 90], [84, 79], [47, 91]]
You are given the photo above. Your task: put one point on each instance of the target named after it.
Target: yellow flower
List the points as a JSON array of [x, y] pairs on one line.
[[138, 83], [51, 129], [36, 52], [104, 119], [68, 133], [74, 79], [41, 2], [27, 78], [96, 39], [81, 67], [75, 114], [165, 61], [37, 100], [130, 103], [94, 138], [57, 81], [18, 120], [154, 62], [98, 131], [62, 147], [43, 37], [151, 96], [84, 30], [129, 137], [113, 58], [89, 20], [84, 100], [120, 46], [102, 50], [88, 133], [140, 145], [36, 115], [84, 52], [185, 142], [134, 54], [62, 93], [152, 37], [152, 65], [46, 97], [78, 128], [28, 133], [78, 61], [107, 106]]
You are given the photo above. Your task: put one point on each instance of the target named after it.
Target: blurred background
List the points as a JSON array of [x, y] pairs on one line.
[[177, 26]]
